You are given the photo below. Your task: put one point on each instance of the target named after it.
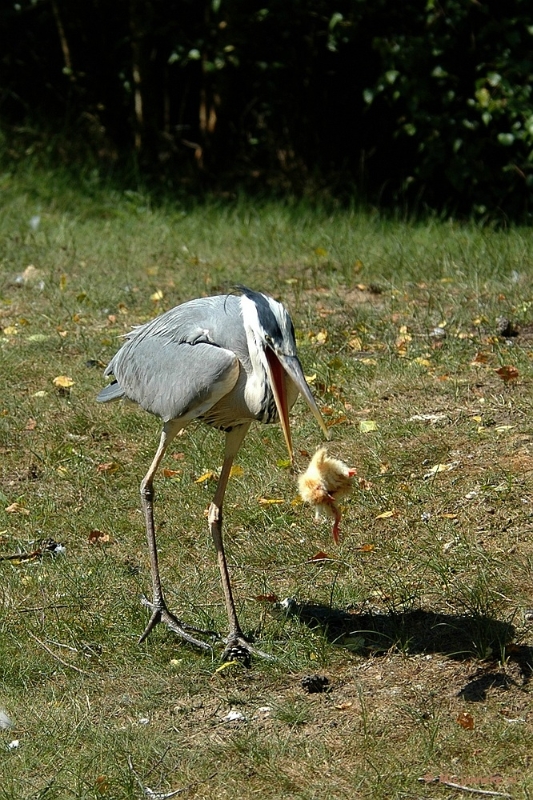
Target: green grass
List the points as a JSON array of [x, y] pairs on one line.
[[417, 617]]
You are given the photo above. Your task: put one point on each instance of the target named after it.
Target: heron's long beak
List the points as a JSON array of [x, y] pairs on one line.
[[290, 365]]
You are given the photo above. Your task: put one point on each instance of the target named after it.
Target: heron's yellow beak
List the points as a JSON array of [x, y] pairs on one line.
[[280, 366]]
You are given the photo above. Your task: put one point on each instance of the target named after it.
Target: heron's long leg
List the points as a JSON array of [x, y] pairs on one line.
[[237, 646], [160, 613]]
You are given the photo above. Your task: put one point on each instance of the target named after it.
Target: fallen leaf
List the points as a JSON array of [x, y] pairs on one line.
[[466, 721], [480, 358], [507, 373], [236, 471], [283, 463], [387, 514], [270, 501], [63, 382], [365, 548], [267, 598], [440, 468], [320, 556], [109, 466], [355, 343], [157, 296], [31, 424], [102, 784], [98, 537], [337, 421], [344, 706], [206, 476], [170, 473], [225, 665], [10, 330], [16, 508], [37, 337], [368, 425]]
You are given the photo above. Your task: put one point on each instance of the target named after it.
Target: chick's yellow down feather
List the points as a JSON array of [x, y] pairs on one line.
[[325, 481]]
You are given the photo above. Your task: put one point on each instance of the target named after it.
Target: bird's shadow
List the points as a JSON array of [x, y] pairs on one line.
[[460, 637]]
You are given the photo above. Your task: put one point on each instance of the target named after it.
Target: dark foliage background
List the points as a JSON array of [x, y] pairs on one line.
[[427, 105]]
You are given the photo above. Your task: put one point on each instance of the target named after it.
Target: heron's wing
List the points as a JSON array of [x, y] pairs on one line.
[[172, 380], [212, 320]]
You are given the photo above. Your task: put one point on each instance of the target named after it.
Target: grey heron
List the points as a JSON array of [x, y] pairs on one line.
[[225, 360]]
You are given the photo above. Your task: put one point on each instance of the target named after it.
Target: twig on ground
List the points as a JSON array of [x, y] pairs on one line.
[[460, 788], [164, 795], [57, 658]]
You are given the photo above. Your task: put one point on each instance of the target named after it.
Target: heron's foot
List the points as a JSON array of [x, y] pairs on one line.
[[239, 649], [160, 613]]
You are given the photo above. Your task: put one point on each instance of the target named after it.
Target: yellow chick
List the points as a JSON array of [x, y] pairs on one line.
[[323, 483]]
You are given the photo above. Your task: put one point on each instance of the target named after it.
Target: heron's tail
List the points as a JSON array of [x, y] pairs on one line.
[[112, 392]]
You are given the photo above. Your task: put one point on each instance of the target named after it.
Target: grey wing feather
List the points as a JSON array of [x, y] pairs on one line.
[[112, 392], [212, 320], [182, 362], [178, 381]]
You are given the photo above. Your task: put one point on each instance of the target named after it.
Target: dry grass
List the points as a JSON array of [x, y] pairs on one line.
[[418, 619]]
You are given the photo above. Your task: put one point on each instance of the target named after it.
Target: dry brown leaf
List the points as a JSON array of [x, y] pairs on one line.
[[267, 598], [466, 721], [170, 473], [337, 421], [102, 784], [507, 373], [16, 508], [98, 537], [320, 556], [365, 548], [109, 466], [480, 358], [31, 424]]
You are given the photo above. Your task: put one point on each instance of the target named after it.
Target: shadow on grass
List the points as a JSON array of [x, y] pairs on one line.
[[459, 637]]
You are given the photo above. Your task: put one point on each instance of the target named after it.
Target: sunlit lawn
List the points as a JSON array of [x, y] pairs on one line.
[[418, 618]]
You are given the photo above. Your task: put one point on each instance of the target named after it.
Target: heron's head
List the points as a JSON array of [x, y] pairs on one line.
[[273, 333]]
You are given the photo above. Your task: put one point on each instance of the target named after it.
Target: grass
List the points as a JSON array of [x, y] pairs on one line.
[[418, 619]]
